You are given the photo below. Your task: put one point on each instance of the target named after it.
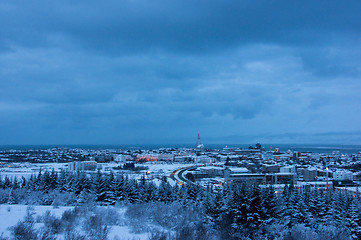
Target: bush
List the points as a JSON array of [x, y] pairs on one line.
[[4, 195], [333, 233], [96, 228], [52, 224], [2, 237], [68, 219], [45, 235], [110, 215], [185, 233], [74, 236], [24, 231], [29, 217], [298, 232], [158, 236]]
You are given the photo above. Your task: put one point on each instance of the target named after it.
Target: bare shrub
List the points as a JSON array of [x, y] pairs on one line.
[[96, 228], [110, 215], [185, 233], [30, 213], [299, 232], [24, 231], [2, 237], [52, 224], [157, 235], [74, 236], [333, 233], [4, 195], [45, 235], [68, 219]]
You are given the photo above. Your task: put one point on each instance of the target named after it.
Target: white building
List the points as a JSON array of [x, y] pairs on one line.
[[238, 170], [203, 159], [122, 158], [83, 166], [288, 169], [342, 175], [166, 157]]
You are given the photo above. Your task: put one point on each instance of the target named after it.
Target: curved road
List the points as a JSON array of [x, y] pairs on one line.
[[177, 175]]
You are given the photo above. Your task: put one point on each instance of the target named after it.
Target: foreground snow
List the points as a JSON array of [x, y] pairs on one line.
[[10, 215]]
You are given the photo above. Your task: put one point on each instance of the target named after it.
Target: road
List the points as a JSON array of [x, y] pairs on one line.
[[177, 175]]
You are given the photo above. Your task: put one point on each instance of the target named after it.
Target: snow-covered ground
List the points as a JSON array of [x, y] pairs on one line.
[[12, 214], [19, 170], [156, 169], [166, 168]]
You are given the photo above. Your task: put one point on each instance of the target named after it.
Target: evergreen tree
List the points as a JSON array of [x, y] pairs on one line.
[[15, 184], [353, 220], [62, 180], [298, 211], [23, 182], [11, 199], [80, 182], [164, 192], [119, 186], [109, 198], [269, 204], [315, 207], [255, 209], [131, 191], [99, 187], [7, 182]]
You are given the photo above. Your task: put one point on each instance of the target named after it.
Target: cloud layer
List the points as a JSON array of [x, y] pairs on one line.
[[156, 72]]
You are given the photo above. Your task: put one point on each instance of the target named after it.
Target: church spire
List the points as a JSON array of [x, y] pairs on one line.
[[199, 145], [198, 140]]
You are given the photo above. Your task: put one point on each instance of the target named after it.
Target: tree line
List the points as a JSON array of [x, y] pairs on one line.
[[234, 212]]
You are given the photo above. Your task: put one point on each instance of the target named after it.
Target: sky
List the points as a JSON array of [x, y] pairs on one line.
[[159, 72]]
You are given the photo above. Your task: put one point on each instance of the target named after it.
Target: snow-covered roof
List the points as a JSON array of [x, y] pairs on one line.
[[239, 169]]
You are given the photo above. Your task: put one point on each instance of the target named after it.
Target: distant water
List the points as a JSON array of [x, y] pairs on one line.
[[315, 148]]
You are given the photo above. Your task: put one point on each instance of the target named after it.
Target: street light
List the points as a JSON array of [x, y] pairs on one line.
[[326, 176]]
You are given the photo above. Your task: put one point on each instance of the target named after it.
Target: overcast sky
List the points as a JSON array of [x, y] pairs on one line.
[[142, 72]]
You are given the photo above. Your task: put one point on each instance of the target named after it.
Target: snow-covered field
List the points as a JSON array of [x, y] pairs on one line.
[[166, 168], [10, 215], [19, 170], [27, 169], [157, 170]]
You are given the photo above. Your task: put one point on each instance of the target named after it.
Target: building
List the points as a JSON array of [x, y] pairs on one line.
[[147, 157], [199, 145], [247, 151], [212, 171], [122, 158], [341, 175], [288, 169], [270, 168], [183, 158], [259, 178], [309, 174], [282, 178], [166, 157], [246, 178], [83, 166], [203, 159]]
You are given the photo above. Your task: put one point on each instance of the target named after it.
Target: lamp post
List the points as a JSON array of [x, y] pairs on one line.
[[327, 177], [326, 174]]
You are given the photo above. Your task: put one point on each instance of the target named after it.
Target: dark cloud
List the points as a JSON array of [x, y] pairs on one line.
[[115, 27], [145, 72]]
